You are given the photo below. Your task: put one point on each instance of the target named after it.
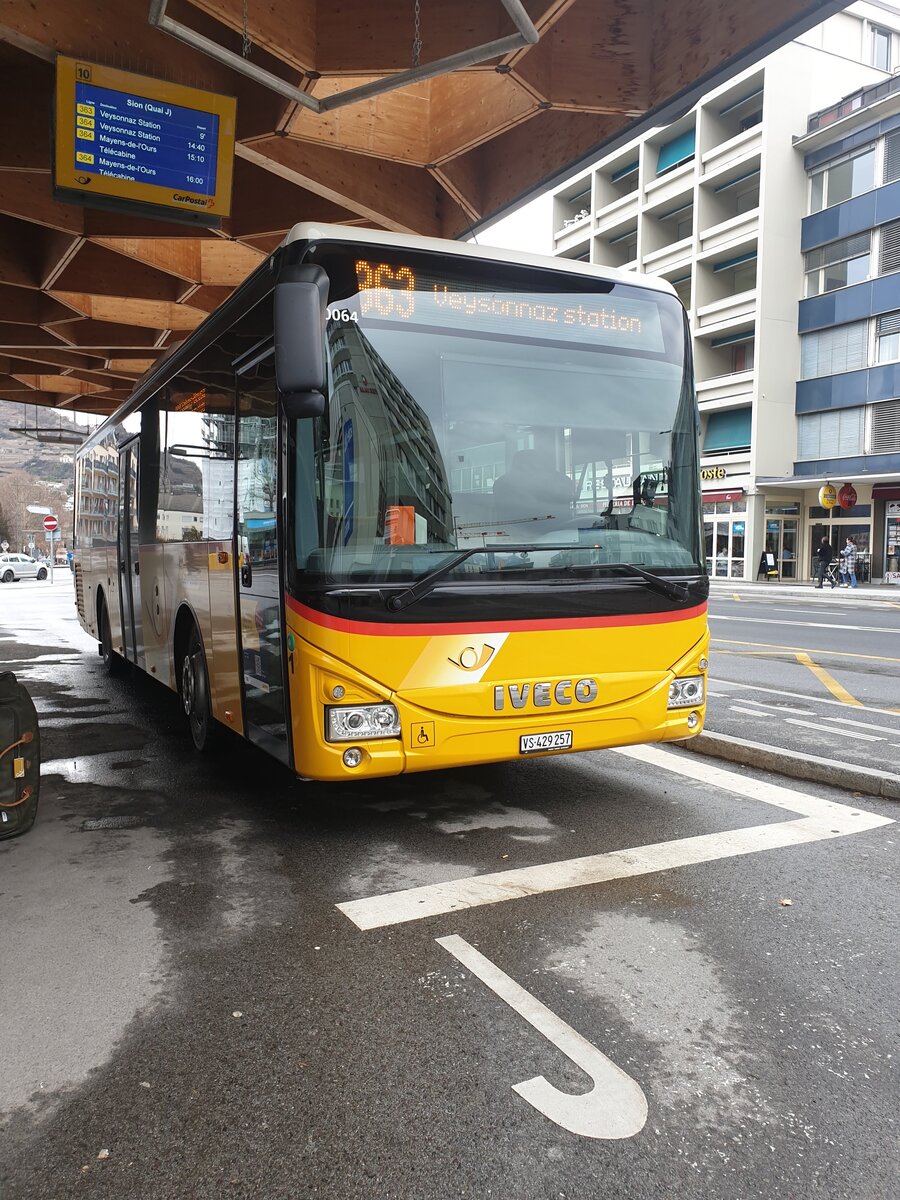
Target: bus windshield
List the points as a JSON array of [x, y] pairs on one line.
[[544, 421]]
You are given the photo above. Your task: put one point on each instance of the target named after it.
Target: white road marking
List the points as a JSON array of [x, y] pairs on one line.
[[756, 687], [862, 725], [820, 819], [615, 1107], [803, 624], [776, 708], [863, 737], [750, 712]]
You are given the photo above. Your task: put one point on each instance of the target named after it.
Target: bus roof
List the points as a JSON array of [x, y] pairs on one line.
[[311, 231]]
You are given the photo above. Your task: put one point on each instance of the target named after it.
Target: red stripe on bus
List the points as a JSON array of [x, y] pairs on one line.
[[342, 625]]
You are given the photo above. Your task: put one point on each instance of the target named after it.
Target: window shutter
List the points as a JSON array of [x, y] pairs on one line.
[[829, 439], [808, 437], [892, 158], [676, 152], [889, 323], [834, 351], [728, 430], [885, 428], [890, 248]]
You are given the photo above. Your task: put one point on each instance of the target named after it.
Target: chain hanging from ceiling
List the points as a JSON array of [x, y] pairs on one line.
[[246, 43], [417, 35]]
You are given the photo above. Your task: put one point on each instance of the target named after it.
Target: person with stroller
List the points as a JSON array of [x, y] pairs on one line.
[[848, 564], [824, 555]]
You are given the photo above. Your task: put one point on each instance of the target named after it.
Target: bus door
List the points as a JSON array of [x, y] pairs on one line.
[[129, 563], [258, 561]]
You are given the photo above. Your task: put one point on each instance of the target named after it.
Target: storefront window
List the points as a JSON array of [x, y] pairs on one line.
[[892, 542], [724, 527]]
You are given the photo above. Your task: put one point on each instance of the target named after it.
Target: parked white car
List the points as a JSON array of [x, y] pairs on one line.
[[20, 566]]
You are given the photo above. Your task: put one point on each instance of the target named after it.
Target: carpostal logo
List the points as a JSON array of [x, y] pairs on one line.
[[196, 201]]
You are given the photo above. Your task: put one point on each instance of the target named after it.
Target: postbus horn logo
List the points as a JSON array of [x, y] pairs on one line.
[[471, 659]]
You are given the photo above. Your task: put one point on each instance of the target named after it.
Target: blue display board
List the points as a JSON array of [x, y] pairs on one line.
[[123, 136], [124, 140]]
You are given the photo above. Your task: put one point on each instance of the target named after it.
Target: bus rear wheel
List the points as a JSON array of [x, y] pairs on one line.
[[205, 730]]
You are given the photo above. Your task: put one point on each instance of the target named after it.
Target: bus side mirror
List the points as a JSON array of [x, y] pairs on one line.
[[301, 301], [296, 405]]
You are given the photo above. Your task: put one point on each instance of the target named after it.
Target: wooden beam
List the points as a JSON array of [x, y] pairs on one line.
[[471, 107], [286, 31], [205, 261], [382, 33], [33, 361], [25, 305], [64, 384], [15, 337], [104, 337], [149, 314], [25, 101], [393, 126], [130, 366], [460, 180], [396, 196], [595, 58], [265, 203], [101, 272], [509, 166], [28, 196]]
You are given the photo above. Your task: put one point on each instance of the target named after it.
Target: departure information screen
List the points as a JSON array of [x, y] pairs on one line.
[[123, 136], [401, 293], [132, 138]]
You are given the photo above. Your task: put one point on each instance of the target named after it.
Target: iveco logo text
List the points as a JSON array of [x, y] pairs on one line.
[[544, 694]]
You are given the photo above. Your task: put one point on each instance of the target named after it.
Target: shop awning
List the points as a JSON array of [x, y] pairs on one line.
[[721, 497], [886, 491]]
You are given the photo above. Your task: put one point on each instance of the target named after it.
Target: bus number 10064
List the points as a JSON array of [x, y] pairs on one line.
[[341, 314]]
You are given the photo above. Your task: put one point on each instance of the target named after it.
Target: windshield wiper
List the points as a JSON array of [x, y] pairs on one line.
[[673, 591], [400, 600]]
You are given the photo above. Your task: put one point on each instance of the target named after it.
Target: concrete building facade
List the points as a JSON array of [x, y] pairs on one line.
[[720, 202]]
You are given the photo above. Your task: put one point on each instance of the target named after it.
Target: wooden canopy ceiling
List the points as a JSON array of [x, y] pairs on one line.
[[90, 299]]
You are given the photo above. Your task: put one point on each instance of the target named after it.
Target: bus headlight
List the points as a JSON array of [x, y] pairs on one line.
[[687, 692], [359, 722]]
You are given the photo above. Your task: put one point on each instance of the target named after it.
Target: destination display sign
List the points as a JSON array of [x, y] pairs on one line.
[[397, 292], [139, 140]]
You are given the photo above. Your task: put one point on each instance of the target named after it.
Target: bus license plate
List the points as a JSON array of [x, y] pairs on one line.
[[533, 743]]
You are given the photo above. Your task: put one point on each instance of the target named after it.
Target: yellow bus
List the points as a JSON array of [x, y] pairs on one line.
[[404, 504]]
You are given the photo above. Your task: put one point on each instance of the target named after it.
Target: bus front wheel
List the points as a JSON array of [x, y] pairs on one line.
[[195, 696]]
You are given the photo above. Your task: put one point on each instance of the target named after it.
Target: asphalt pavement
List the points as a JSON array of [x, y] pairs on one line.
[[634, 973], [810, 674]]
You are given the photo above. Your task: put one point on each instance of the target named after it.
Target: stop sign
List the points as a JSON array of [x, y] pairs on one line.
[[51, 523]]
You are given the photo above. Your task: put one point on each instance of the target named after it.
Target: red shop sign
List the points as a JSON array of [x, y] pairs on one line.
[[847, 496]]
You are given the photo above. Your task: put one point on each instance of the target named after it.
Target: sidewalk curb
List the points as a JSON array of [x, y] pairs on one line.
[[797, 766], [870, 594]]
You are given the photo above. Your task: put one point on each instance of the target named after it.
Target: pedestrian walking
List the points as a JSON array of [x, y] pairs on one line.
[[848, 564], [824, 555]]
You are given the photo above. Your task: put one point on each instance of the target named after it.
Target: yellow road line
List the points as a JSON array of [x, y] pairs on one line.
[[794, 650], [735, 596], [837, 690]]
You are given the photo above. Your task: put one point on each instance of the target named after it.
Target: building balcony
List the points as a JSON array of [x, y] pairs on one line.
[[625, 208], [724, 315], [737, 233], [572, 236], [744, 146], [725, 391], [670, 259], [666, 189]]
